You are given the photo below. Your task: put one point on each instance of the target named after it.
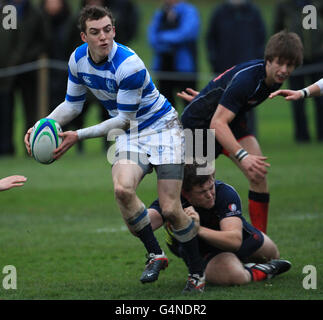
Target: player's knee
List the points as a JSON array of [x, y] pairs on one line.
[[274, 252], [227, 272], [124, 193]]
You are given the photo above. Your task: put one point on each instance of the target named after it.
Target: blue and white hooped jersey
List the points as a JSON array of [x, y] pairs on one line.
[[122, 83]]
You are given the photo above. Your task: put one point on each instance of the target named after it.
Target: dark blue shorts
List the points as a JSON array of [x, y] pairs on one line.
[[239, 128]]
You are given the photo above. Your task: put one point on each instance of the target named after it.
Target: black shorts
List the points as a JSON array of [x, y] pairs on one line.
[[201, 141]]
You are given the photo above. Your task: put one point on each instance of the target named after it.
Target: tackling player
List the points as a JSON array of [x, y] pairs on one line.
[[227, 241], [223, 104], [151, 135]]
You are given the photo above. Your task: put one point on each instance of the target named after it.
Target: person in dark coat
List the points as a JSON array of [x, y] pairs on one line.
[[236, 33], [19, 46], [289, 15]]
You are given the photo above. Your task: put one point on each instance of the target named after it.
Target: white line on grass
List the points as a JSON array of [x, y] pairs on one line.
[[111, 230]]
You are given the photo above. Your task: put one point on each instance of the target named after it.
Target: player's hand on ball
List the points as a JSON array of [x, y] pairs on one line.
[[26, 140], [255, 167], [69, 139]]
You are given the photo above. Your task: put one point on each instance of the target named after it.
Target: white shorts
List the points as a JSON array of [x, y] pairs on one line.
[[161, 143]]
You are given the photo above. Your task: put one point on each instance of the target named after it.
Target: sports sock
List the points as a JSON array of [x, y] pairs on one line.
[[258, 209], [191, 255], [256, 275], [140, 223], [189, 248], [149, 240]]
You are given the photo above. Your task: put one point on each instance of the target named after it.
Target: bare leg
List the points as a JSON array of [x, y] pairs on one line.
[[226, 269], [258, 191]]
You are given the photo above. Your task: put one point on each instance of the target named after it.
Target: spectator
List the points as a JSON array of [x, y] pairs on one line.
[[57, 17], [6, 98], [288, 15], [236, 33], [29, 43], [25, 44], [173, 34], [127, 19]]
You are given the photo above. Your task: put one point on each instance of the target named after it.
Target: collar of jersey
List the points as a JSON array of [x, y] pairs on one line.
[[102, 66]]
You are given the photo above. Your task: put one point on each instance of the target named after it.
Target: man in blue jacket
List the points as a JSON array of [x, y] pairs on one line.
[[173, 34]]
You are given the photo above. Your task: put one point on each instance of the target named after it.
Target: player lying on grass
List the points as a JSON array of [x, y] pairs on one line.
[[120, 81], [234, 252], [12, 182], [223, 105], [314, 90]]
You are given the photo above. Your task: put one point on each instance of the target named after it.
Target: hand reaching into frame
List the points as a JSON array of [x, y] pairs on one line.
[[188, 95], [12, 182], [288, 94]]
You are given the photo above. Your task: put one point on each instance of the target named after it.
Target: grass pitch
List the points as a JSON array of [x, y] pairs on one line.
[[64, 233]]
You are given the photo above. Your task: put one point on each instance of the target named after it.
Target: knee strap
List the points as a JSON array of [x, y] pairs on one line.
[[139, 220], [186, 234]]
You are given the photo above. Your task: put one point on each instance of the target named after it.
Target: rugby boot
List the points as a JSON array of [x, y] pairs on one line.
[[154, 264], [195, 284], [271, 268]]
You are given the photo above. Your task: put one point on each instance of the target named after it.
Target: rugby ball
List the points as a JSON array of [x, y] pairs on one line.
[[44, 139]]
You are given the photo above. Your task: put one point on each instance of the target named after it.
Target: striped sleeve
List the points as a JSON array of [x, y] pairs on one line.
[[76, 91]]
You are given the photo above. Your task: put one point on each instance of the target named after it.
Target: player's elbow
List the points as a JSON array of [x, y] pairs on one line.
[[236, 240], [216, 124]]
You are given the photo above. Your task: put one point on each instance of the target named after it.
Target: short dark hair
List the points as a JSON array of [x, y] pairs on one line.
[[93, 12], [193, 178], [285, 46]]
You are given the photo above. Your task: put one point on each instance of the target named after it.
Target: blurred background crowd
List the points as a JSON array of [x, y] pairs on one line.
[[177, 36]]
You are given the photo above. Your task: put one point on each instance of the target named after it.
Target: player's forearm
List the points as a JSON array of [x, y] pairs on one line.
[[66, 112], [102, 129], [314, 90], [224, 240]]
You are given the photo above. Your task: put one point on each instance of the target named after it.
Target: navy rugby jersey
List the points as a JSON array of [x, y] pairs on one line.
[[227, 204], [238, 89]]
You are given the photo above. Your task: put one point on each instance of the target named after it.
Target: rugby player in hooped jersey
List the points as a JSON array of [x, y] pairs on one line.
[[223, 104], [121, 82]]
